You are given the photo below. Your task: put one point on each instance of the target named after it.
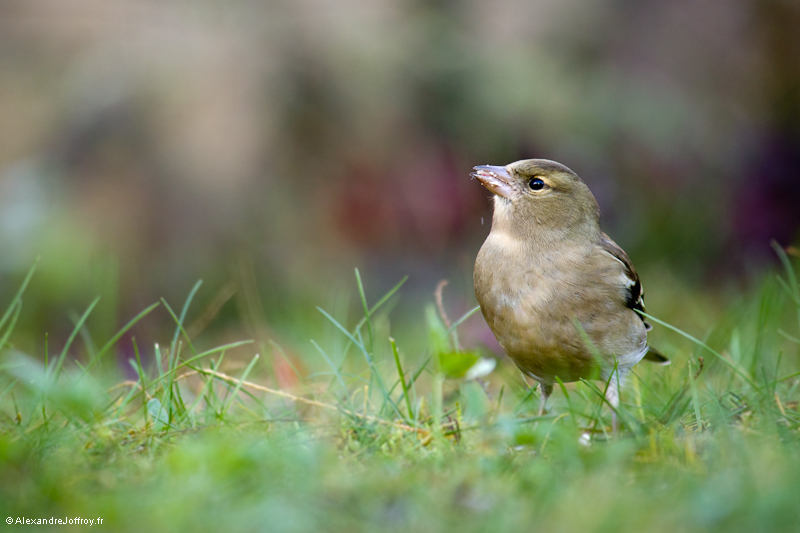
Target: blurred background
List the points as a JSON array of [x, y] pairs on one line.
[[269, 148]]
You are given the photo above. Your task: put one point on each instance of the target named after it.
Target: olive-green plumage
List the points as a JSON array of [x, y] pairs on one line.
[[546, 271]]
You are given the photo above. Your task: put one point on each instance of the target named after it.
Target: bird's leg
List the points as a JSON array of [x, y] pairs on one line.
[[614, 423], [547, 390], [612, 396]]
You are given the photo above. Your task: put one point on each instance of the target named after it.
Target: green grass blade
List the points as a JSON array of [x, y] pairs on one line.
[[367, 314], [7, 390], [350, 336], [695, 397], [338, 375], [17, 310], [60, 361], [794, 287], [700, 343], [188, 362], [238, 387], [788, 337], [176, 396], [115, 338], [388, 295], [179, 328], [463, 318], [385, 298], [421, 369], [402, 379], [375, 373], [208, 381], [18, 295], [569, 401]]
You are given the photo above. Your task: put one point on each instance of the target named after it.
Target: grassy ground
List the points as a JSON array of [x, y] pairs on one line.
[[710, 443]]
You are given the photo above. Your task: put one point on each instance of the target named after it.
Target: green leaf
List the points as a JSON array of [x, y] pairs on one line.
[[159, 414], [465, 365]]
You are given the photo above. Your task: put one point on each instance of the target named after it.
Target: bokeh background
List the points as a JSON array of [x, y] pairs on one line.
[[269, 148]]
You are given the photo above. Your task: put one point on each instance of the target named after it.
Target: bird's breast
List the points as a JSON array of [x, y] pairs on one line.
[[531, 300]]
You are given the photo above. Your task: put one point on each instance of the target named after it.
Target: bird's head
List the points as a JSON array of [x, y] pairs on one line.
[[538, 197]]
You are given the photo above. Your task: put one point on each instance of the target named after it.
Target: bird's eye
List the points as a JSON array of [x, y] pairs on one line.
[[536, 184]]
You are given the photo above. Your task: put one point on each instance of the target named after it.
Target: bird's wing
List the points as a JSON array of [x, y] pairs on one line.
[[635, 292]]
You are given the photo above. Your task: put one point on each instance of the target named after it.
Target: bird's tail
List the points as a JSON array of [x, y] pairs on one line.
[[654, 356]]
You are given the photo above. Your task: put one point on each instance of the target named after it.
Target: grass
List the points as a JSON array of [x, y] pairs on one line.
[[374, 437]]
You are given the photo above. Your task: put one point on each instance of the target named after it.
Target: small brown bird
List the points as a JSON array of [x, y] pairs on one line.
[[560, 296]]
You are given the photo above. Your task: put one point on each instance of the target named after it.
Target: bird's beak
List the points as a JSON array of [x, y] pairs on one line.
[[496, 179]]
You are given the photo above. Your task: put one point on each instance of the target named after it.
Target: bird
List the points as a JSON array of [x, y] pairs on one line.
[[561, 297]]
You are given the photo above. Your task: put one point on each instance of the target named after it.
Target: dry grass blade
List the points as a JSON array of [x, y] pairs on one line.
[[255, 386]]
